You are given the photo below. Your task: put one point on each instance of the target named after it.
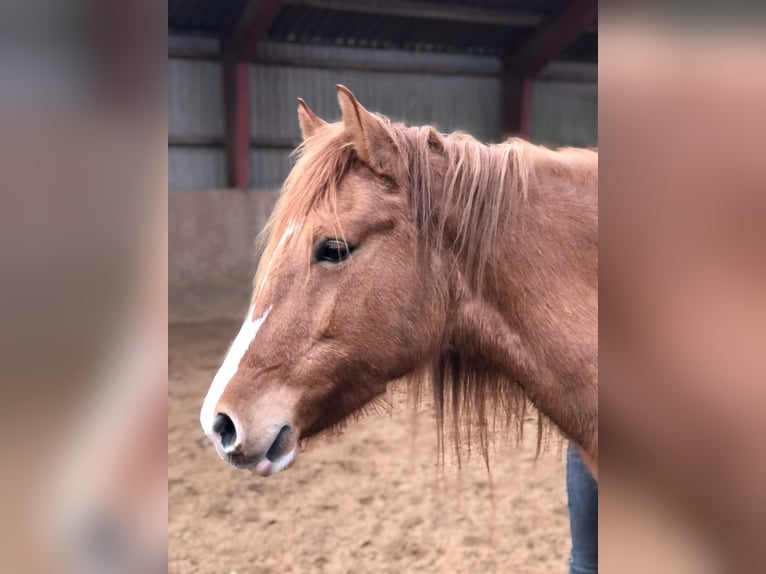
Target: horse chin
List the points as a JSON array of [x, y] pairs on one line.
[[267, 467], [332, 420]]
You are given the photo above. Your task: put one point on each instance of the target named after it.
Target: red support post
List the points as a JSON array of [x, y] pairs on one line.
[[237, 92], [532, 53], [240, 46], [517, 104]]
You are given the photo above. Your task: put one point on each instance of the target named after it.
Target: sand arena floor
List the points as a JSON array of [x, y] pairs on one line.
[[370, 500]]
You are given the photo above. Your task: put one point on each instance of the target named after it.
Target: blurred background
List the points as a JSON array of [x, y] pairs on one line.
[[370, 500], [83, 286]]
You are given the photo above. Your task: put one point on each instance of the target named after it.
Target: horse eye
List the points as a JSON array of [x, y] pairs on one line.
[[332, 251]]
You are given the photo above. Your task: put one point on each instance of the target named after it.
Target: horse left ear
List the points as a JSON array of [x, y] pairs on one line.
[[308, 120], [369, 133]]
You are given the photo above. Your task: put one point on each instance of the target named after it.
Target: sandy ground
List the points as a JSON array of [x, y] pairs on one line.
[[369, 500]]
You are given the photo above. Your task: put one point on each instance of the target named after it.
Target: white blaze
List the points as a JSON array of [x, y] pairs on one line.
[[230, 365], [241, 343]]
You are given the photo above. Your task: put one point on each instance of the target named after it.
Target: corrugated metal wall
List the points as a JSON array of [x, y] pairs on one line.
[[563, 113], [450, 103], [196, 109], [195, 92]]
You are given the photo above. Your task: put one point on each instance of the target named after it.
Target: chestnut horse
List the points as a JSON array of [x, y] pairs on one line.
[[399, 252]]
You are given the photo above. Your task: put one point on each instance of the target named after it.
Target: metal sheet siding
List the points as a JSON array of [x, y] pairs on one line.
[[450, 103], [195, 109], [195, 98], [565, 114], [286, 50], [196, 168], [269, 167]]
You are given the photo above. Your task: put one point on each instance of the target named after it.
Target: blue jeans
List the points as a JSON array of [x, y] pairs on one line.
[[582, 491]]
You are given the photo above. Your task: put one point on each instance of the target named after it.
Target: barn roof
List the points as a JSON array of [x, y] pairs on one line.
[[481, 27]]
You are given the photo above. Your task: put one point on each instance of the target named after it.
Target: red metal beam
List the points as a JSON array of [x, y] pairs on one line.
[[237, 93], [251, 27], [532, 53], [540, 46], [239, 48], [517, 104]]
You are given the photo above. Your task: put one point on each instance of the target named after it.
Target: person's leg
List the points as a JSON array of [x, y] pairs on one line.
[[582, 491]]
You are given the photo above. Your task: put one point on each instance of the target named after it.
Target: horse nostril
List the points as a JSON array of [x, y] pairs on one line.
[[277, 447], [224, 427]]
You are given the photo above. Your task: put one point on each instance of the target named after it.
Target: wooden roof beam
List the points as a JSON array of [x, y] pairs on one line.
[[546, 43], [424, 11], [250, 28]]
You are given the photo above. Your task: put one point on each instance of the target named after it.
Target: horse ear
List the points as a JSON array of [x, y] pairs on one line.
[[309, 121], [370, 135]]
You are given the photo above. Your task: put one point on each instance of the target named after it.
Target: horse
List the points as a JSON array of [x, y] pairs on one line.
[[401, 253]]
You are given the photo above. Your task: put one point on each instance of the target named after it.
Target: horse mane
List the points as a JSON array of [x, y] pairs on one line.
[[483, 189], [483, 184]]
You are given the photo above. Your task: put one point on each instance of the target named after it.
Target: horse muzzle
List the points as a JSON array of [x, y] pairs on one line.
[[264, 452]]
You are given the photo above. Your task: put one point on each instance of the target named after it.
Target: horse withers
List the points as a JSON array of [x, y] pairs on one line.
[[400, 252]]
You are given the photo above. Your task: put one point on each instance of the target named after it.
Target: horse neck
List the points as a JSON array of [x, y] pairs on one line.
[[535, 317]]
